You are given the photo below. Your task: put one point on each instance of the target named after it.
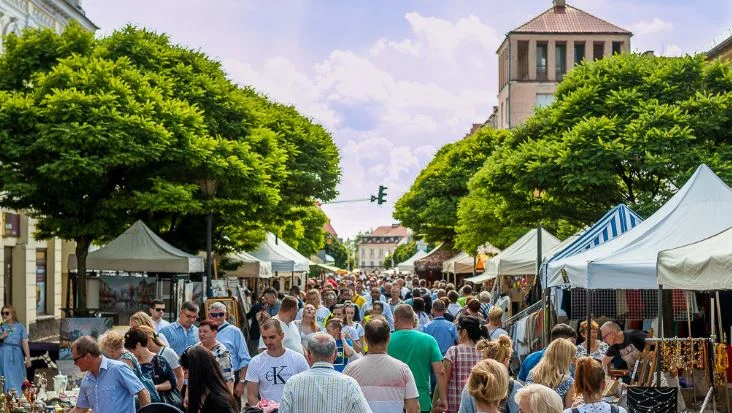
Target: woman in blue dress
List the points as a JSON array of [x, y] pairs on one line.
[[13, 344]]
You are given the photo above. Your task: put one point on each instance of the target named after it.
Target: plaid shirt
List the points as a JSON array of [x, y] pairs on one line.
[[221, 354], [463, 358]]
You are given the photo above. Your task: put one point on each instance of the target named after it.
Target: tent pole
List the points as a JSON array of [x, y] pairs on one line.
[[660, 334], [588, 332]]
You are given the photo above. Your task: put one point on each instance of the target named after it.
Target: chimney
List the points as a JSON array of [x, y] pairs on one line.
[[559, 4]]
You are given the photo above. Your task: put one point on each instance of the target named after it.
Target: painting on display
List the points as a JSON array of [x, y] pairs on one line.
[[73, 328], [125, 294], [194, 292]]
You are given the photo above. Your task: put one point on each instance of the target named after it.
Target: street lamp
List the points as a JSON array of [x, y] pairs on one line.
[[208, 187], [537, 194]]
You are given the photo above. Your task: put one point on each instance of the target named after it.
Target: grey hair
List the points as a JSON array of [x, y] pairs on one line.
[[485, 297], [217, 305], [321, 346]]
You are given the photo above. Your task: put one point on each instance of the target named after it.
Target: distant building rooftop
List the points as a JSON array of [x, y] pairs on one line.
[[562, 18], [394, 230]]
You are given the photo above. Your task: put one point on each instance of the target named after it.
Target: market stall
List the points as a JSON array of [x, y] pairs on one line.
[[408, 264], [462, 263], [429, 267], [285, 260], [249, 266]]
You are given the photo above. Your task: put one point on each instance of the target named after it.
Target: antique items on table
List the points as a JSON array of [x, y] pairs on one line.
[[33, 397]]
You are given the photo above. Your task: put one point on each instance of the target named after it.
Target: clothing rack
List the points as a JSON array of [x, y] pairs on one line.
[[523, 313]]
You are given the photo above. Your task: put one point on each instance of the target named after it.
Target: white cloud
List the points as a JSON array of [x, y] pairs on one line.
[[391, 107], [654, 25], [672, 51]]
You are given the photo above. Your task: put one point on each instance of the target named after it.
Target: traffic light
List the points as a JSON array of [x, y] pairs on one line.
[[382, 195]]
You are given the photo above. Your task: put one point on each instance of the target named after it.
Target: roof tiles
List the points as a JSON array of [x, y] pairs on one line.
[[568, 19]]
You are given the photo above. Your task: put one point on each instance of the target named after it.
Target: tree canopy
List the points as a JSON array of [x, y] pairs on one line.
[[402, 253], [627, 129], [96, 133], [429, 208]]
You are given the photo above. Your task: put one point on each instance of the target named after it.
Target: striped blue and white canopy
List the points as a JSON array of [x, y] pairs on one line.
[[619, 220]]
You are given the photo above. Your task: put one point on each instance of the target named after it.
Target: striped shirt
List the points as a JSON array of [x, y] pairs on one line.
[[178, 337], [324, 390]]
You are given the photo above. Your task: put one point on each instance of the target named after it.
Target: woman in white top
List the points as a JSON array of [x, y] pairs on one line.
[[355, 330], [589, 381], [598, 348], [307, 325]]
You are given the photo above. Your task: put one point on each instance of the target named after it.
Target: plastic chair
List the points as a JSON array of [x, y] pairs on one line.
[[159, 408]]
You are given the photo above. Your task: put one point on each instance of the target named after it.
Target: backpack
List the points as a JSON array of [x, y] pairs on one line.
[[503, 405], [613, 409]]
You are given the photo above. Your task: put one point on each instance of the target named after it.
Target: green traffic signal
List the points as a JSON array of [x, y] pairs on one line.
[[382, 195]]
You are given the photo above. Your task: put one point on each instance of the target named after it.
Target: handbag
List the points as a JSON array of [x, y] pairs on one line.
[[172, 396]]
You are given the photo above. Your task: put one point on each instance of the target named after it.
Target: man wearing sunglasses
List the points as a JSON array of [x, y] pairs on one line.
[[157, 310], [108, 385], [232, 338]]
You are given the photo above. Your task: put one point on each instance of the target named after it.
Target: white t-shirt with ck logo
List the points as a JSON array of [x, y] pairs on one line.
[[271, 373]]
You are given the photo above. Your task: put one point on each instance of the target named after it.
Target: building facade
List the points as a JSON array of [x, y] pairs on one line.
[[723, 50], [534, 57], [33, 269], [376, 245]]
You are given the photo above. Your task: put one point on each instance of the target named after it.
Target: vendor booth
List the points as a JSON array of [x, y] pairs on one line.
[[408, 265], [462, 263], [285, 260], [429, 267], [249, 266]]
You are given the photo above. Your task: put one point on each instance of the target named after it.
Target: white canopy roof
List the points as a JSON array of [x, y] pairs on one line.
[[701, 208], [139, 249], [283, 257], [703, 265], [520, 257], [619, 220], [249, 266], [459, 264], [408, 265]]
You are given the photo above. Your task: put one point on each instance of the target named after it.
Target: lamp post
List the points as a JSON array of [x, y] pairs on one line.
[[545, 300], [208, 187]]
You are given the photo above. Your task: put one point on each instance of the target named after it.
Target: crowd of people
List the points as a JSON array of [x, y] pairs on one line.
[[344, 344]]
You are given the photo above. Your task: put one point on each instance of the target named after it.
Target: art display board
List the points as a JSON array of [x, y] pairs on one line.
[[73, 328]]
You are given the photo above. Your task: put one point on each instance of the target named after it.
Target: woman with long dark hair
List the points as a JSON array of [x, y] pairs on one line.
[[207, 391]]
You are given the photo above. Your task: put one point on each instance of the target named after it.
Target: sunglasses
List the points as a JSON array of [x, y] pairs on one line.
[[217, 314], [159, 309], [6, 312]]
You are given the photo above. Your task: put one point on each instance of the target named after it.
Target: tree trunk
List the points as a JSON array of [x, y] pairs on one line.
[[82, 250]]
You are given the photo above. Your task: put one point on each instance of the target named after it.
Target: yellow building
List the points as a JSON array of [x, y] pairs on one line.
[[374, 246], [722, 51], [32, 269], [534, 57]]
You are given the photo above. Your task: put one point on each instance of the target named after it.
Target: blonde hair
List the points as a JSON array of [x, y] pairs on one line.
[[495, 313], [500, 349], [12, 310], [141, 318], [583, 328], [488, 382], [313, 325], [151, 335], [541, 398], [112, 340], [554, 366]]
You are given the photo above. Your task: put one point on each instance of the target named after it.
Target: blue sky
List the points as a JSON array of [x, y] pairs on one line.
[[392, 80]]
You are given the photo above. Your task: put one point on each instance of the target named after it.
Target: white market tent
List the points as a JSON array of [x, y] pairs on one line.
[[283, 257], [249, 266], [701, 208], [459, 264], [702, 265], [519, 258], [139, 249], [619, 220], [408, 265]]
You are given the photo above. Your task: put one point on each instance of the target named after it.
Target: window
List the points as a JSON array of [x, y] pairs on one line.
[[598, 49], [381, 253], [544, 99], [579, 52], [372, 263], [371, 253], [618, 47], [363, 252], [12, 225], [41, 278], [541, 61], [8, 274], [523, 59], [560, 60]]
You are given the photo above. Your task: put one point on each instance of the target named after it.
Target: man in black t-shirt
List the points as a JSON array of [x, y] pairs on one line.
[[625, 346]]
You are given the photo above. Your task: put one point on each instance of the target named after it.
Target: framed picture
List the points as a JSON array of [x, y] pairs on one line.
[[232, 308]]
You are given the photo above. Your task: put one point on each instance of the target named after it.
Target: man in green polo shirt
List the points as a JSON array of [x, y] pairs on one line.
[[421, 353]]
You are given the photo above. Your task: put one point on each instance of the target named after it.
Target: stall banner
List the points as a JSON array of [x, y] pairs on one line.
[[126, 294], [73, 328]]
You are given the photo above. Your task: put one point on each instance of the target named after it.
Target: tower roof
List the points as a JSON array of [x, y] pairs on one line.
[[568, 19]]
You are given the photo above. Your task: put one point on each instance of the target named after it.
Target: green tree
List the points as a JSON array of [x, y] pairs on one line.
[[429, 208], [402, 253], [305, 233], [629, 129], [336, 249]]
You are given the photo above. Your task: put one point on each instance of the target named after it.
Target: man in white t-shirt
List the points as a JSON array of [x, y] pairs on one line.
[[387, 383], [269, 370], [286, 317]]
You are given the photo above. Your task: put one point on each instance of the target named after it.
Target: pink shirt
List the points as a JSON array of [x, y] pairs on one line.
[[385, 381]]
